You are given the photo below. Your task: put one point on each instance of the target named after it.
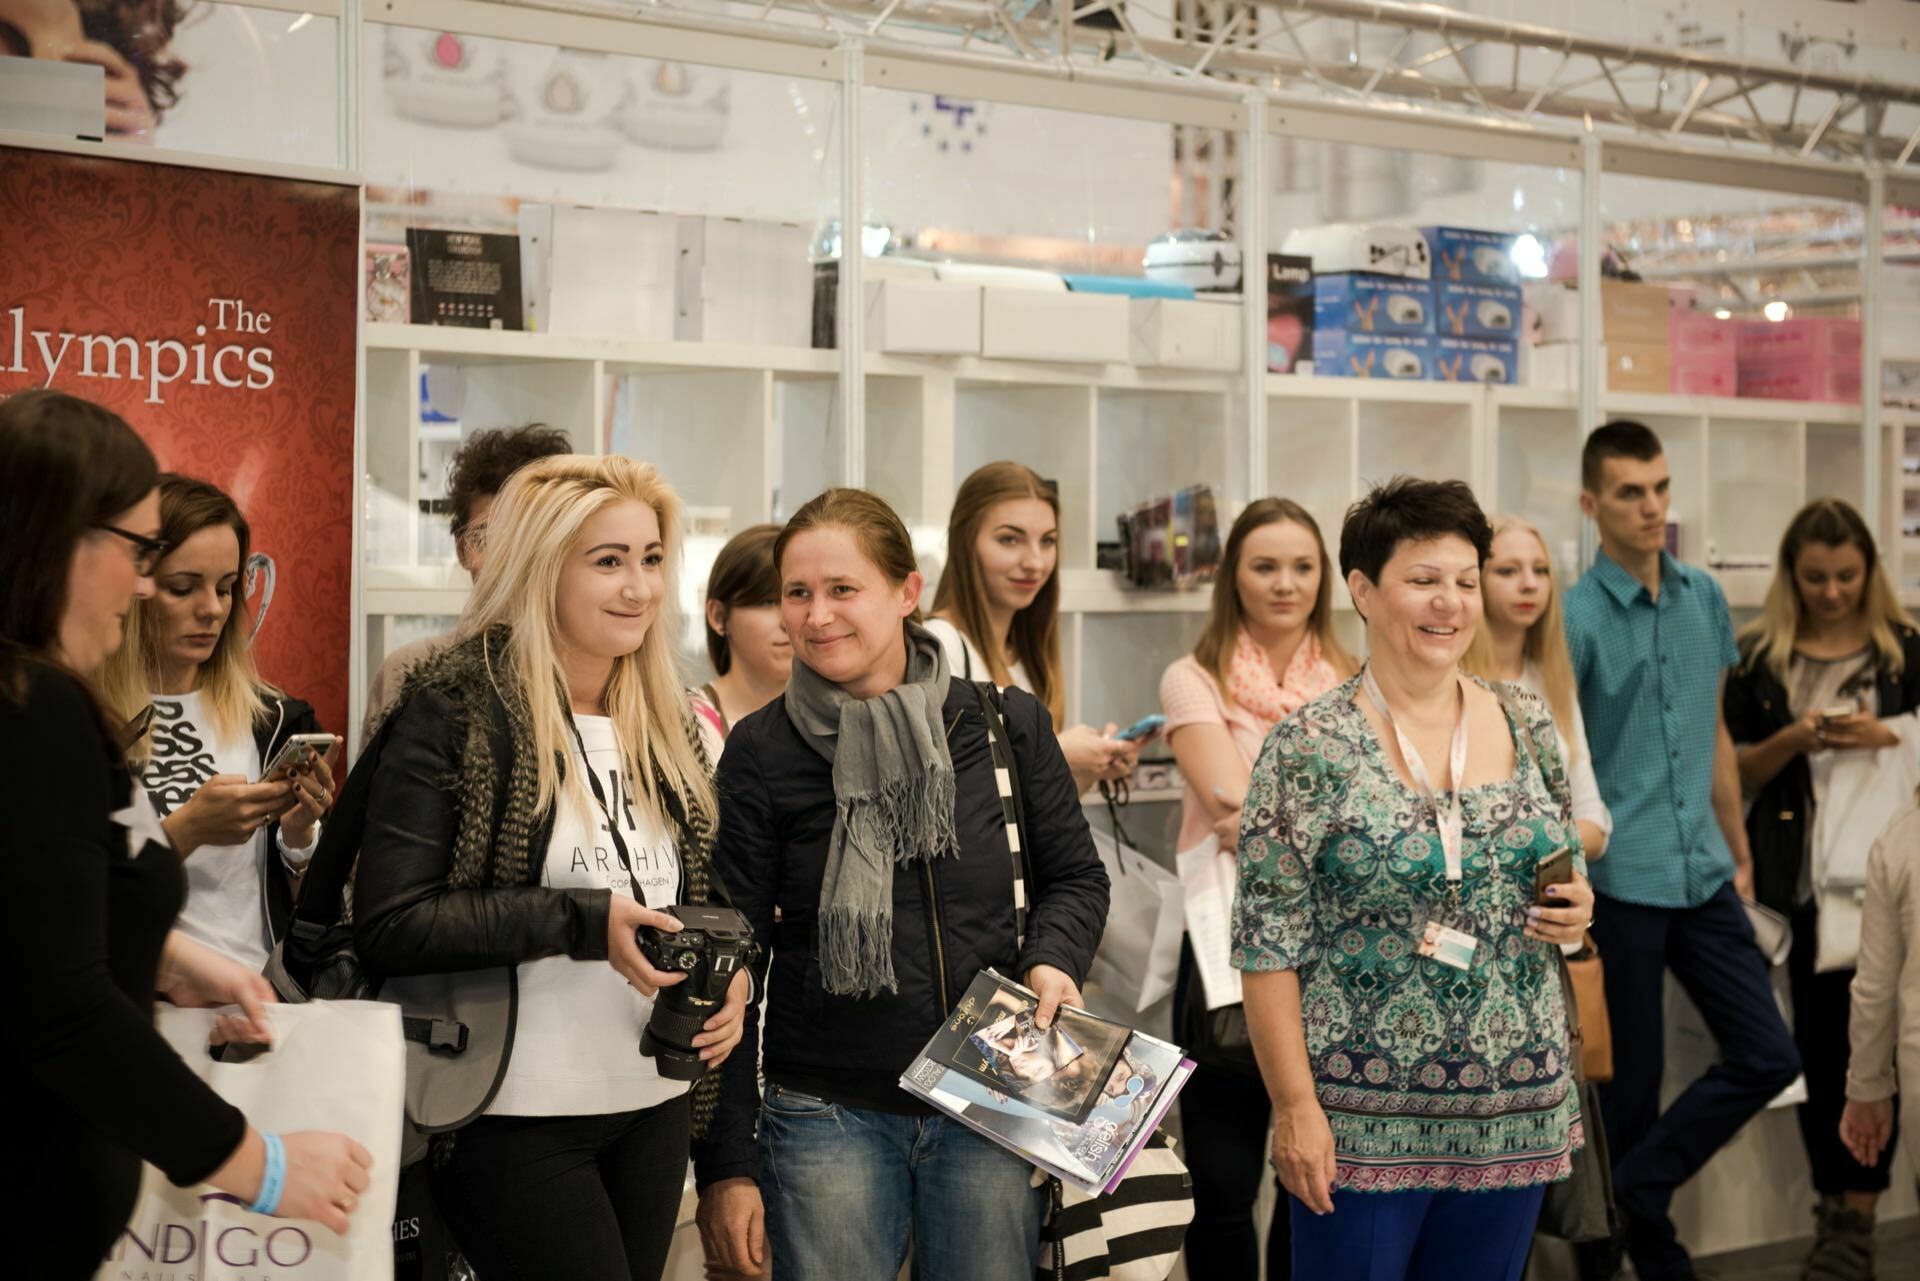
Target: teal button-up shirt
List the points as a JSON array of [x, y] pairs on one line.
[[1649, 673]]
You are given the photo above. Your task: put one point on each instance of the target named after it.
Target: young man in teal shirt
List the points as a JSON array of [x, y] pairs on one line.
[[1651, 642]]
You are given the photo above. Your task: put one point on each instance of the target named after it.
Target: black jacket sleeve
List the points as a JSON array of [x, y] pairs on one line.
[[746, 859], [1747, 720], [407, 920], [1069, 911], [92, 1045]]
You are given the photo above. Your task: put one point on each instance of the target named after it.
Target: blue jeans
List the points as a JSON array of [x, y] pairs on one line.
[[1417, 1236], [846, 1188]]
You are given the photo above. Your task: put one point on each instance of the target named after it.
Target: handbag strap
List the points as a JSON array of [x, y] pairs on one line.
[[1006, 774]]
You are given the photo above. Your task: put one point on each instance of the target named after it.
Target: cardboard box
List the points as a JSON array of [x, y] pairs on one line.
[[1824, 378], [1476, 360], [1800, 338], [1360, 303], [1478, 310], [923, 317], [599, 272], [1699, 332], [1704, 373], [1177, 334], [1465, 255], [1638, 366], [1629, 313], [1386, 248], [1033, 324], [1552, 366], [742, 281], [1338, 353], [1289, 312]]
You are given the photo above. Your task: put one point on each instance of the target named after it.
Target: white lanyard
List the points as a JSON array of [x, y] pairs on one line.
[[1448, 819]]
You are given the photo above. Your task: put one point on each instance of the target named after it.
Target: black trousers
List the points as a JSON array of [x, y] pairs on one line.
[[587, 1198], [1223, 1120], [1822, 1006]]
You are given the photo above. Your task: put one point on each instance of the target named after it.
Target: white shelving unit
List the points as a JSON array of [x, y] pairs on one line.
[[753, 430]]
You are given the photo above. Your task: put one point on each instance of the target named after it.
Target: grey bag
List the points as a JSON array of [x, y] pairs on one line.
[[454, 1071]]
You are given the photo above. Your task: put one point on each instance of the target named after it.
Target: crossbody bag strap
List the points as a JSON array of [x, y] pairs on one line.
[[614, 833], [1006, 775]]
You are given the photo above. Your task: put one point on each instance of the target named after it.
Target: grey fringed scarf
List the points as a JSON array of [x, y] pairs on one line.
[[893, 803]]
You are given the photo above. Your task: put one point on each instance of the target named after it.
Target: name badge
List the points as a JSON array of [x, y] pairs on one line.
[[1449, 946]]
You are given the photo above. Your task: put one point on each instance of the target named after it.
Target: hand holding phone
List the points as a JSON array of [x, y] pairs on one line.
[[1145, 727], [1555, 869], [293, 754]]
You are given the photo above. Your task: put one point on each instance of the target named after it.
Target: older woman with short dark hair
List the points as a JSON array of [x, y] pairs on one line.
[[1402, 988]]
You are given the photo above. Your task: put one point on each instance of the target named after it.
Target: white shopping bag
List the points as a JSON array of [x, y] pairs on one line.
[[1139, 954], [1865, 791], [334, 1065], [1207, 879]]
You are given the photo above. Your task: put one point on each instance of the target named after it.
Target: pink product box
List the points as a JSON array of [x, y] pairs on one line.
[[1831, 337], [1704, 373], [1698, 332], [1803, 378]]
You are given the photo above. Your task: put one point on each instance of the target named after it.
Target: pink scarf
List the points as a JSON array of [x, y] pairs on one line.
[[1250, 679]]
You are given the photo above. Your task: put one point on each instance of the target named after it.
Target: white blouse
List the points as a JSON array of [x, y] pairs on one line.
[[1588, 807]]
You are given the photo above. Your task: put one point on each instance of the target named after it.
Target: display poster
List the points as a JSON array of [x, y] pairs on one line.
[[215, 312]]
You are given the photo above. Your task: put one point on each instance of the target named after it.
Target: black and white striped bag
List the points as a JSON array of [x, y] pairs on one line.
[[1131, 1234], [1134, 1232]]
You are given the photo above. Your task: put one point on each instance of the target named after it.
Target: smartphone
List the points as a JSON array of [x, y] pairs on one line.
[[1145, 727], [1554, 869], [294, 751]]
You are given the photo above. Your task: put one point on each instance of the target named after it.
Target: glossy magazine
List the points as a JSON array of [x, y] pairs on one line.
[[1078, 1100]]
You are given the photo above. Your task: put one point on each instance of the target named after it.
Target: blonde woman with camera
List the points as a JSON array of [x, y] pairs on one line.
[[542, 792]]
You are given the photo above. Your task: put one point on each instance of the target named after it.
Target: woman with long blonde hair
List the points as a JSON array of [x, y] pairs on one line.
[[1831, 660], [214, 726], [1522, 641], [542, 791], [1269, 647], [997, 608]]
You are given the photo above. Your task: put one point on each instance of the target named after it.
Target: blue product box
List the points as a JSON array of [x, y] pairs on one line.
[[1338, 353], [1476, 360], [1360, 303], [1463, 255], [1477, 311]]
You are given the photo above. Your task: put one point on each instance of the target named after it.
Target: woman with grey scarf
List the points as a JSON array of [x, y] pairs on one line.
[[862, 832]]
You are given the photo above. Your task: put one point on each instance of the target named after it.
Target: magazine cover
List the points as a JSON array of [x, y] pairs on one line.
[[991, 1037], [1124, 1103]]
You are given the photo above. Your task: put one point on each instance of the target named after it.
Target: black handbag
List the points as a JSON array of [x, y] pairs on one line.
[[1581, 1206]]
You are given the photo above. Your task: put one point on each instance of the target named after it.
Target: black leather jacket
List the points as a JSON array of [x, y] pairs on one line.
[[952, 917]]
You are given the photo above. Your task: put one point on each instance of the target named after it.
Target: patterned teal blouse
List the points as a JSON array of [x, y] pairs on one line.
[[1431, 1077]]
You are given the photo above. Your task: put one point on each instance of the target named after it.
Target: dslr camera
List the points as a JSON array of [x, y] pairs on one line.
[[713, 945]]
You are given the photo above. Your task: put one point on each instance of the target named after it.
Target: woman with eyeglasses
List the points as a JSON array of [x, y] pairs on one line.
[[89, 887], [208, 757]]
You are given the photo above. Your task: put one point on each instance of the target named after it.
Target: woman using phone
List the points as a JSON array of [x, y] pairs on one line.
[[997, 609], [1831, 660], [541, 793], [1521, 640], [90, 890], [214, 729], [746, 641], [1269, 648], [862, 832]]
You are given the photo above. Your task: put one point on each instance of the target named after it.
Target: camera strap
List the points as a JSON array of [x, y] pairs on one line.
[[613, 824]]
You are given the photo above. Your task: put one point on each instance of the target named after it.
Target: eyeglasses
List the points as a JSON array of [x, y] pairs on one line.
[[147, 552]]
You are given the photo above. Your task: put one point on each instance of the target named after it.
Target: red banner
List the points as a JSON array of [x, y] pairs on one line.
[[215, 312]]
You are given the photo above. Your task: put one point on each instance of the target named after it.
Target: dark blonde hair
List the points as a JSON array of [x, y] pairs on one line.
[[1034, 637], [1768, 640], [1214, 653], [235, 694], [743, 574]]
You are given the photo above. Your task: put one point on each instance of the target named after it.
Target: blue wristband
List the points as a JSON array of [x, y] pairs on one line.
[[273, 1180]]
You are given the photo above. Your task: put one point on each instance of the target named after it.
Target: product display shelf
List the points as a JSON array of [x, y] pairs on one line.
[[474, 346]]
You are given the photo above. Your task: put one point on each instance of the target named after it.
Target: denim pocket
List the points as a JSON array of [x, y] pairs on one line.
[[792, 1103]]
